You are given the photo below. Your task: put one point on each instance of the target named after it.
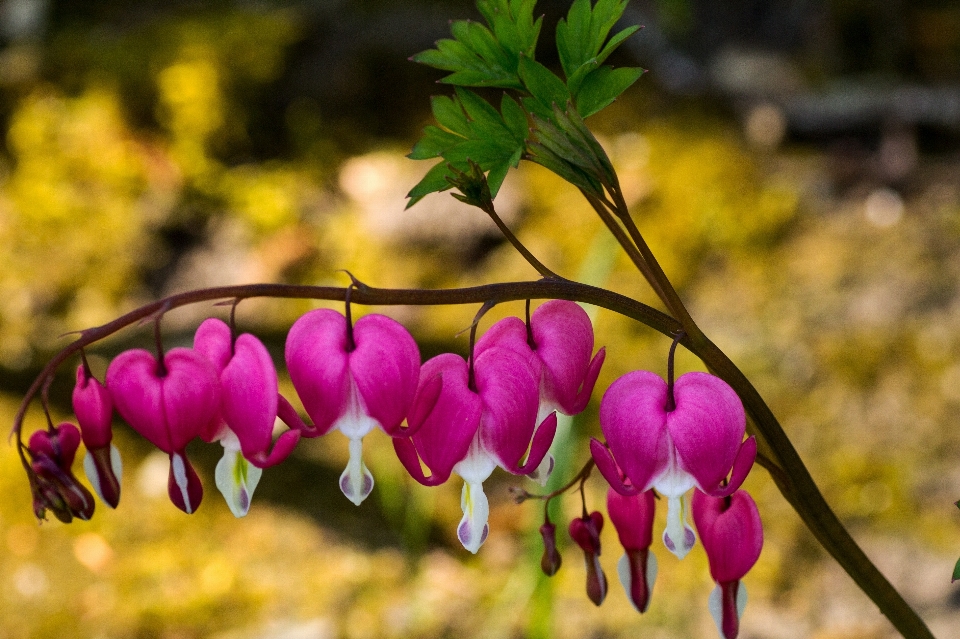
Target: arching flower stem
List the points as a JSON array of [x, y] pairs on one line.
[[779, 456]]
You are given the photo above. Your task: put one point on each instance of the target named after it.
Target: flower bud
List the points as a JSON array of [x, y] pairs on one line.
[[551, 559], [586, 532]]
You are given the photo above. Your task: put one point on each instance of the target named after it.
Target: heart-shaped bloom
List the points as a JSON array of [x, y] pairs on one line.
[[471, 432], [586, 532], [559, 344], [94, 410], [53, 483], [353, 387], [732, 536], [632, 516], [169, 402], [696, 444], [249, 403]]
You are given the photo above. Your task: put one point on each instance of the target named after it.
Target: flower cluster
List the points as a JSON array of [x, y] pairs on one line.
[[664, 439], [497, 408]]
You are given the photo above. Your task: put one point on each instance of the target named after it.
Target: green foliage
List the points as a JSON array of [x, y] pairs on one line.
[[472, 131], [583, 47], [480, 57], [503, 56]]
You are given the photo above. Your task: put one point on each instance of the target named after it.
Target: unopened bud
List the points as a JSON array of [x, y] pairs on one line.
[[551, 559], [586, 532]]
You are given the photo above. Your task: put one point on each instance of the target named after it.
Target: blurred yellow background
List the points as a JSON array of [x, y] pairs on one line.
[[151, 152]]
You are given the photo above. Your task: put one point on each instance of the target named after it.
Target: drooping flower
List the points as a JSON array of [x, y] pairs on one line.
[[53, 483], [559, 344], [353, 379], [471, 431], [94, 410], [249, 404], [732, 536], [169, 401], [632, 516], [586, 532], [696, 444]]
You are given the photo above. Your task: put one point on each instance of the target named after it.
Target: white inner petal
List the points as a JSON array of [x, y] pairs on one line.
[[472, 530], [356, 482], [355, 423], [478, 465], [678, 536], [237, 479]]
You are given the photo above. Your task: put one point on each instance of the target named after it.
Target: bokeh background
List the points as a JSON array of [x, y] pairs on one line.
[[795, 164]]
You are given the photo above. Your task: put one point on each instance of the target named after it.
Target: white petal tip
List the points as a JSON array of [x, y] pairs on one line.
[[237, 479]]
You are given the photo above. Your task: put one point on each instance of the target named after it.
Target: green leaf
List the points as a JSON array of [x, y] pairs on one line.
[[545, 88], [487, 56], [433, 143], [434, 181], [449, 114], [514, 117], [471, 132], [602, 86], [581, 37], [956, 571]]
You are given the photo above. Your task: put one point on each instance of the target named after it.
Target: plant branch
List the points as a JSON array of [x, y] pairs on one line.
[[361, 294]]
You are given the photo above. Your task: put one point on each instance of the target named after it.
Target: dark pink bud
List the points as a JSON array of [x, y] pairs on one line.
[[551, 559], [56, 488], [586, 532]]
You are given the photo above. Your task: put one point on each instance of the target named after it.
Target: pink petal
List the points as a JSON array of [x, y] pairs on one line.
[[563, 341], [509, 333], [741, 468], [509, 389], [289, 416], [634, 422], [170, 410], [94, 410], [249, 396], [608, 467], [633, 518], [386, 369], [444, 436], [316, 355], [280, 451], [214, 341], [731, 533], [539, 447], [589, 381], [707, 427]]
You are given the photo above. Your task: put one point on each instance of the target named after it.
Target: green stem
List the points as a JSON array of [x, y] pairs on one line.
[[531, 259]]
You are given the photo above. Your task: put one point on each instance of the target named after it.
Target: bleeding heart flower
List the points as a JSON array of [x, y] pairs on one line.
[[559, 344], [249, 403], [169, 402], [697, 443], [586, 532], [732, 536], [94, 410], [632, 516], [353, 380], [53, 483], [471, 431]]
